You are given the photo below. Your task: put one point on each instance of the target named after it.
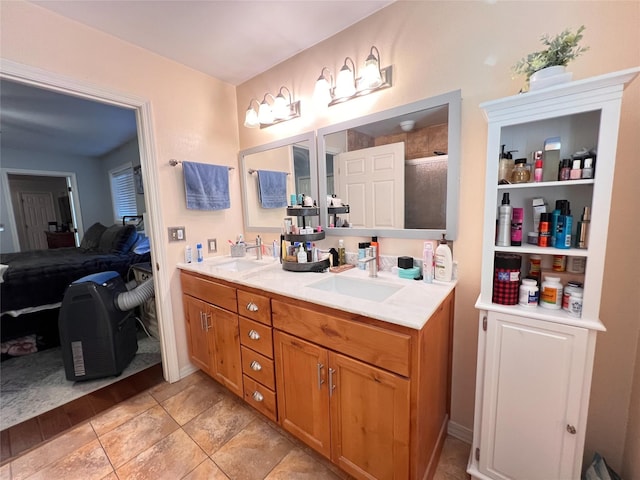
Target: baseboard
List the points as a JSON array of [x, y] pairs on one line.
[[188, 370], [461, 433]]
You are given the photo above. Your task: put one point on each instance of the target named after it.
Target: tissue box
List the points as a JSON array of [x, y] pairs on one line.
[[238, 250], [405, 262]]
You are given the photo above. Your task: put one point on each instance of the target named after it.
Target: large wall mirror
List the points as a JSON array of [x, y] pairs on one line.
[[295, 157], [397, 170]]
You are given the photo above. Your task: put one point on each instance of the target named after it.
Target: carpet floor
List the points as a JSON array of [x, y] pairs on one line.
[[33, 384]]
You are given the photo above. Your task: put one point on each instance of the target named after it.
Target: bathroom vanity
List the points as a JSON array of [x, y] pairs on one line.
[[363, 378]]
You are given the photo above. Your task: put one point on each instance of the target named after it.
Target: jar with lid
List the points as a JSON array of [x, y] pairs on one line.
[[520, 173], [528, 293], [551, 293], [572, 286], [575, 304]]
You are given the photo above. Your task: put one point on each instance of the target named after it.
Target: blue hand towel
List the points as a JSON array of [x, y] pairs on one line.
[[272, 189], [206, 186]]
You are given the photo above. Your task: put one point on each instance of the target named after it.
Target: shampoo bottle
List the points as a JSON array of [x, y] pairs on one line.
[[444, 261], [504, 223]]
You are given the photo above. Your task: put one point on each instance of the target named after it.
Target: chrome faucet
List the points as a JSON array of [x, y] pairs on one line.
[[257, 246], [372, 260]]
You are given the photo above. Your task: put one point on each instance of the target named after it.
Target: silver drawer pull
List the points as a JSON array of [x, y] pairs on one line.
[[255, 365], [252, 307], [253, 335], [257, 396]]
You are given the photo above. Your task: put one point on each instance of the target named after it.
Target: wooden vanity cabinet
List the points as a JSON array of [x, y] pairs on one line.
[[213, 335], [370, 396]]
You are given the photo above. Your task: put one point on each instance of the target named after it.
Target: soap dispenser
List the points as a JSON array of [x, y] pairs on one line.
[[444, 261]]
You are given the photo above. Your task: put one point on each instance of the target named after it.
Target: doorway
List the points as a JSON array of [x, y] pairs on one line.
[[81, 88], [43, 210]]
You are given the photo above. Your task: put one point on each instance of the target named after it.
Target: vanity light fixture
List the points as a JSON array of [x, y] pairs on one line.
[[281, 110], [348, 85]]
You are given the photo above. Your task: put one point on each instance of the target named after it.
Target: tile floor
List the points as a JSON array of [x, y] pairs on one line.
[[192, 429]]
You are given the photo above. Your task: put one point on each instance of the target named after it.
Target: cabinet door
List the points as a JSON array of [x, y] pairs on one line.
[[200, 350], [532, 398], [227, 368], [301, 383], [369, 419]]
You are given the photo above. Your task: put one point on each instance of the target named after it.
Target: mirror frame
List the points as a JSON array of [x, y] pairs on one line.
[[453, 100], [290, 141]]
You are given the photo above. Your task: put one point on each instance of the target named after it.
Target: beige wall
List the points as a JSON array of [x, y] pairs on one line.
[[437, 47], [193, 118]]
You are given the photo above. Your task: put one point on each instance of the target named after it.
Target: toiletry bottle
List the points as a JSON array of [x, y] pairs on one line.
[[188, 255], [361, 254], [199, 252], [444, 261], [374, 243], [505, 166], [543, 230], [302, 255], [341, 253], [427, 262], [553, 225], [565, 170], [516, 226], [537, 166], [582, 231], [551, 159], [520, 173], [504, 222], [576, 170], [565, 226]]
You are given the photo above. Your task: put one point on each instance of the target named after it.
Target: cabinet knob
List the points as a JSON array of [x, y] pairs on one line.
[[257, 396], [255, 365], [571, 429], [252, 307], [253, 335]]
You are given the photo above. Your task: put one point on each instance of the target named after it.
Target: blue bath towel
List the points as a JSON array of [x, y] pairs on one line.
[[206, 186], [272, 189]]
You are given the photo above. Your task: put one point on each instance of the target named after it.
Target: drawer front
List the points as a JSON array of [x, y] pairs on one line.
[[256, 336], [377, 346], [254, 306], [258, 367], [211, 292], [260, 398]]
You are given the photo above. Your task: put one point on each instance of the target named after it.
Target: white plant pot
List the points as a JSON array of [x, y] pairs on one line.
[[549, 76]]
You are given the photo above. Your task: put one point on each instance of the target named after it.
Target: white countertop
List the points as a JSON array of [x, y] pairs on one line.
[[411, 306]]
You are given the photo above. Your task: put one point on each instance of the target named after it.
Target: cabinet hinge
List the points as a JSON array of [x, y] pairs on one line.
[[477, 454], [484, 323]]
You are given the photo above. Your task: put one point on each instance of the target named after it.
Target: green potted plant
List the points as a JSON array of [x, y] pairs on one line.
[[539, 67]]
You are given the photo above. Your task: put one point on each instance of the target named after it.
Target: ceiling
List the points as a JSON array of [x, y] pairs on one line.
[[230, 40]]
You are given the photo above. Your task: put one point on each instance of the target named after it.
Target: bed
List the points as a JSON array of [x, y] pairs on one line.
[[36, 280]]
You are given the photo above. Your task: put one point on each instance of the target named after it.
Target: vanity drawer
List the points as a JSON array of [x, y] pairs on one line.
[[383, 348], [211, 292], [258, 367], [256, 336], [254, 306], [260, 398]]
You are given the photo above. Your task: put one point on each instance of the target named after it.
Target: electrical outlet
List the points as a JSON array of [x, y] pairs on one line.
[[177, 234], [213, 245]]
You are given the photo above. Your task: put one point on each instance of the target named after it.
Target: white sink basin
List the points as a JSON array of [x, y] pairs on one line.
[[370, 289], [239, 265]]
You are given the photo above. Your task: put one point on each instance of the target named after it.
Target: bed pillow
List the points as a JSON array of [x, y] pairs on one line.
[[91, 239], [118, 239]]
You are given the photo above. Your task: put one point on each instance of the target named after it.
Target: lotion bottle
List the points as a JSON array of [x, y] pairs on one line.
[[444, 261]]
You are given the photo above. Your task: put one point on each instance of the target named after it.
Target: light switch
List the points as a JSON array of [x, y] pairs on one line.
[[213, 245], [177, 234]]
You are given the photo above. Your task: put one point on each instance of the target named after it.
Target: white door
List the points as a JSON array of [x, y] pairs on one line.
[[371, 182], [532, 397], [37, 211]]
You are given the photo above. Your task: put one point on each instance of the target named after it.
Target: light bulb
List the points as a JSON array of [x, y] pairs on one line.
[[265, 115], [322, 92], [251, 119], [345, 83], [371, 75], [281, 108]]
